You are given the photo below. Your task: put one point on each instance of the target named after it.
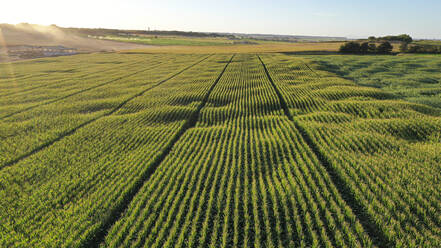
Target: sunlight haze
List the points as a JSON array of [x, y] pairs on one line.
[[337, 18]]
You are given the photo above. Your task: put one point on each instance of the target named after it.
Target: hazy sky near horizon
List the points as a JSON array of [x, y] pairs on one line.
[[420, 19]]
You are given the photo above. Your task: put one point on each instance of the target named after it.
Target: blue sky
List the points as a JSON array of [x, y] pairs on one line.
[[421, 19]]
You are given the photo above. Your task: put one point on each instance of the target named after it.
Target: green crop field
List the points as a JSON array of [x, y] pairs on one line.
[[220, 150], [171, 40], [415, 78]]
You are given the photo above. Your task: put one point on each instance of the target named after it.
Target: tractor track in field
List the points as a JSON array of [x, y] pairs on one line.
[[116, 213], [378, 238], [79, 92], [73, 130], [318, 75]]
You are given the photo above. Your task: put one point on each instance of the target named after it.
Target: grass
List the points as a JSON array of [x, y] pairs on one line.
[[215, 150]]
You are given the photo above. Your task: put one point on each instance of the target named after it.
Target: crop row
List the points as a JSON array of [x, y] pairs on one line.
[[78, 83], [204, 151], [24, 75], [65, 194], [242, 177], [416, 78], [384, 152], [32, 129]]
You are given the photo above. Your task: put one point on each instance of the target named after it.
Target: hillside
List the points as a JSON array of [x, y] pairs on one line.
[[23, 38]]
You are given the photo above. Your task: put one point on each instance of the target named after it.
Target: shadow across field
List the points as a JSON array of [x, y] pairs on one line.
[[414, 78], [373, 230], [116, 213]]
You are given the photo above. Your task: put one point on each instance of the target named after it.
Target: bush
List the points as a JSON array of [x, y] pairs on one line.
[[384, 48], [350, 47], [403, 47], [414, 49], [357, 48], [372, 48], [364, 47], [423, 49]]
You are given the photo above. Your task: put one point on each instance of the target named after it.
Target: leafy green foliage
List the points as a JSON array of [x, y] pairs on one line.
[[383, 153], [415, 78], [417, 48], [350, 47], [353, 47], [200, 151], [384, 48], [402, 38]]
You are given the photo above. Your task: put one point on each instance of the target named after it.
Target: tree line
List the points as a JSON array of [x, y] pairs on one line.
[[393, 38], [420, 48], [385, 47], [366, 48]]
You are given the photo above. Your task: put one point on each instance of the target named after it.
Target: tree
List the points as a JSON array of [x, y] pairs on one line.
[[403, 47], [401, 37], [372, 48], [364, 47], [372, 38], [350, 47], [385, 47], [405, 38], [414, 49]]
